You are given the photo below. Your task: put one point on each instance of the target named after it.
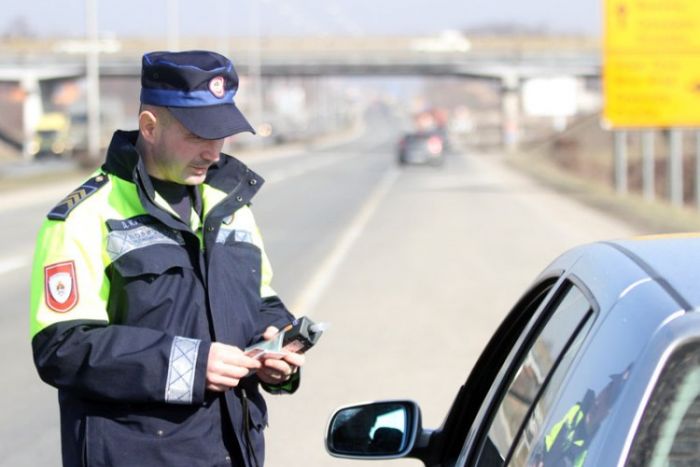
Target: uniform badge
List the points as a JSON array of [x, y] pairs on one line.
[[61, 210], [216, 86], [61, 286]]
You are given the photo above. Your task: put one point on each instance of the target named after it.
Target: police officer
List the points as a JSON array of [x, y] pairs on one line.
[[150, 279]]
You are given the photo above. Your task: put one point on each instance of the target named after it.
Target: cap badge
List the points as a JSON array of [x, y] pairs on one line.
[[216, 86]]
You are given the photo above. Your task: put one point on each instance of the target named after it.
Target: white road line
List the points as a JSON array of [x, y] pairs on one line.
[[314, 289], [13, 263]]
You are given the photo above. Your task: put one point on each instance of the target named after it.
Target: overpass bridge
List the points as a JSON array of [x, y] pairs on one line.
[[509, 60], [446, 55]]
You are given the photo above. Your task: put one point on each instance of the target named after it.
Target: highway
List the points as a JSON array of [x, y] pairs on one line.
[[412, 267]]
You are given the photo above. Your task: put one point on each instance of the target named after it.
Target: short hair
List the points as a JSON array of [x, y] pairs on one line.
[[162, 113]]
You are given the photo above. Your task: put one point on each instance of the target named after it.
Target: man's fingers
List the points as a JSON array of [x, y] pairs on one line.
[[226, 365], [274, 365], [231, 355], [228, 370], [295, 359], [273, 376], [240, 360], [222, 382], [270, 332]]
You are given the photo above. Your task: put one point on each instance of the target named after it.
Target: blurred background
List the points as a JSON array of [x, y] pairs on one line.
[[424, 160], [308, 68]]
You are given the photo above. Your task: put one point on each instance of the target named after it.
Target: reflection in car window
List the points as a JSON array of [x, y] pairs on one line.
[[668, 433], [534, 426], [571, 310]]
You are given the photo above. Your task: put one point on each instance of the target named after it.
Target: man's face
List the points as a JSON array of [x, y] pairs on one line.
[[180, 156]]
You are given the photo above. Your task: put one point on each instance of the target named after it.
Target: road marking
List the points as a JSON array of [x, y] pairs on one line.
[[13, 263], [314, 289]]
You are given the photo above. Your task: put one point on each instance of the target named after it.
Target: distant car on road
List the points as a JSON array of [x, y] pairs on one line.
[[424, 147], [53, 136], [598, 364]]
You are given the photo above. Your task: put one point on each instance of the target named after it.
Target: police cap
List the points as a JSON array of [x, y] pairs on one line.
[[198, 87]]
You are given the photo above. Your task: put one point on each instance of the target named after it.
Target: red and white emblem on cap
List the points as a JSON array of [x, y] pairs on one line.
[[61, 286], [216, 86]]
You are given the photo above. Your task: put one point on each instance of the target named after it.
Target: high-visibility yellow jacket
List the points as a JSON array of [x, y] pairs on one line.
[[566, 442]]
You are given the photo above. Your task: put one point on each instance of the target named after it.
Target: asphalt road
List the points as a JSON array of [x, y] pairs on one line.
[[413, 268]]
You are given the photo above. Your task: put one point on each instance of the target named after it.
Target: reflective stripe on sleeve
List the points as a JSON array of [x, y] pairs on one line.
[[179, 387]]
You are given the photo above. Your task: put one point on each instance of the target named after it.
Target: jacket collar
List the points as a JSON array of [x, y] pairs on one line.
[[124, 161], [228, 175]]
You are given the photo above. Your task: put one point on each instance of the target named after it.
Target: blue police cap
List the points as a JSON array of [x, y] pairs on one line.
[[198, 87]]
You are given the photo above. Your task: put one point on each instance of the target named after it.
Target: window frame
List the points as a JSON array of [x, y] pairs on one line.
[[532, 329], [464, 411]]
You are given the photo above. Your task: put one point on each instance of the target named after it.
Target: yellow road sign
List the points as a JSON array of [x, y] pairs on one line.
[[651, 63]]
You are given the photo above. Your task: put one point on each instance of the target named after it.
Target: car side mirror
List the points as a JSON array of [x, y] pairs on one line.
[[377, 430]]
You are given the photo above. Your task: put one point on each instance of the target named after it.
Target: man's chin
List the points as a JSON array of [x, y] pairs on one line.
[[194, 179]]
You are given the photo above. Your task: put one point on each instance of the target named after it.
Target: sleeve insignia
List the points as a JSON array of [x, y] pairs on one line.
[[61, 286], [66, 205]]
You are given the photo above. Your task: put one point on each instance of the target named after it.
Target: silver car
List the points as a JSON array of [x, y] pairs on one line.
[[598, 364]]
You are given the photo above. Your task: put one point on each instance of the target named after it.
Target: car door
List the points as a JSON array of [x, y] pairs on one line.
[[548, 339]]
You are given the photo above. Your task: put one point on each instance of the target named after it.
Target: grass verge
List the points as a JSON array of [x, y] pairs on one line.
[[652, 217]]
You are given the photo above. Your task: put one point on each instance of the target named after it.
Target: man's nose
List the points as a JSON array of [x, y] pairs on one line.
[[212, 150]]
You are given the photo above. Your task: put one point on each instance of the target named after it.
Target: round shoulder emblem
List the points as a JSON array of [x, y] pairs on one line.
[[216, 86]]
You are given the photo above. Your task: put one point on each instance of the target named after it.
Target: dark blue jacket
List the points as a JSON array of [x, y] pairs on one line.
[[126, 300]]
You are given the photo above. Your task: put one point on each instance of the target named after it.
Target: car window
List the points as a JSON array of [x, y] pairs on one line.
[[668, 432], [527, 451], [566, 317], [487, 368]]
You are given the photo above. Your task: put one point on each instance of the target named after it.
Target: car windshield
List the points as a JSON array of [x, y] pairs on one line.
[[668, 433]]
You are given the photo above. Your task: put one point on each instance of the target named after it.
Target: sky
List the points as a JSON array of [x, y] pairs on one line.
[[300, 17]]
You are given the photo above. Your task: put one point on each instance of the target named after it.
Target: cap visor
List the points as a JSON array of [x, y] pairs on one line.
[[212, 122]]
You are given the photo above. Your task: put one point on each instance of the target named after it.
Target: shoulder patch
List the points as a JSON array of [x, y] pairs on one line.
[[66, 205]]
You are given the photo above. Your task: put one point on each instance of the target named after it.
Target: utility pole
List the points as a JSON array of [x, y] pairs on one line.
[[254, 67], [93, 79]]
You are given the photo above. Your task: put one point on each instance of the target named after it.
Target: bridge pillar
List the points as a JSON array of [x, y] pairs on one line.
[[510, 112], [32, 110]]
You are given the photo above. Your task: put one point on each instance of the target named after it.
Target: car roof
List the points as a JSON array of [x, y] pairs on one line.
[[672, 260]]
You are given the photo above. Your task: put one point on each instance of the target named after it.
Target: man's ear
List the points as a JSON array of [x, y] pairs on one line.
[[148, 123]]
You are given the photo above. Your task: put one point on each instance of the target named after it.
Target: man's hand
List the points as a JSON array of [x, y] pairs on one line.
[[277, 371], [226, 366]]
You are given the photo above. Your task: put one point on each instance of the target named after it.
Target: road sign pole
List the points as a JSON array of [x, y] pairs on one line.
[[255, 67], [620, 162], [648, 165], [675, 168]]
